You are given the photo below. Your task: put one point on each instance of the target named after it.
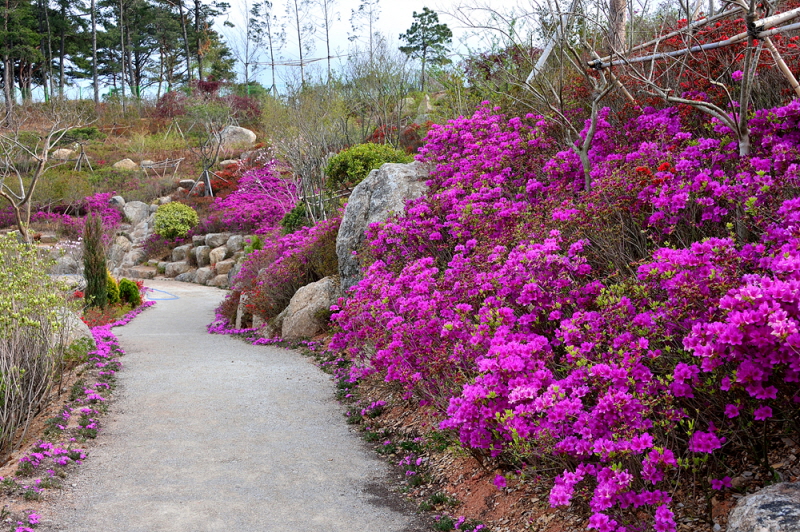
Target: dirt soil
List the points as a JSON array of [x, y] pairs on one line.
[[208, 433]]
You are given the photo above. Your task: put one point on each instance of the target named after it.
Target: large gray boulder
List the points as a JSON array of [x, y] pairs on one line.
[[237, 137], [235, 243], [181, 252], [174, 269], [215, 240], [218, 255], [63, 154], [187, 277], [66, 265], [773, 509], [381, 194], [125, 164], [204, 275], [74, 328], [309, 309], [136, 211], [224, 266], [202, 255], [119, 248]]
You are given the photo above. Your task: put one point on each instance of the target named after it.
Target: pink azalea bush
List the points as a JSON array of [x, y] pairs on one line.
[[263, 198], [270, 276], [610, 334]]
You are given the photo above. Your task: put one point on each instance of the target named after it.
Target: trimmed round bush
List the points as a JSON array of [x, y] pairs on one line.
[[112, 289], [352, 165], [174, 220], [129, 292]]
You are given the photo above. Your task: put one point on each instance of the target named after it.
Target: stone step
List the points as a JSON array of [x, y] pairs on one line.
[[141, 272]]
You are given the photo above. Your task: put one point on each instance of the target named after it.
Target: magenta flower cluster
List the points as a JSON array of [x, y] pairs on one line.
[[604, 332], [270, 276], [260, 202]]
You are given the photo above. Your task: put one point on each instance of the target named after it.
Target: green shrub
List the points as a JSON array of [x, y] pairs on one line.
[[254, 243], [174, 220], [295, 219], [129, 292], [112, 289], [94, 262], [83, 133], [352, 165], [32, 341]]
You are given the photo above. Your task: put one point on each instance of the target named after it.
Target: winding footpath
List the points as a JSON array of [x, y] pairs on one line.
[[208, 433]]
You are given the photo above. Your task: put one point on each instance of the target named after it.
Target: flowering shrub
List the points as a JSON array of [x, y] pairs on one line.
[[270, 276], [616, 335], [259, 204]]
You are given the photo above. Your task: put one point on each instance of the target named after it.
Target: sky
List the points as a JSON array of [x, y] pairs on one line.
[[396, 16]]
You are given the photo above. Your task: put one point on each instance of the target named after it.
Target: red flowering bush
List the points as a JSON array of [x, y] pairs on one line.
[[270, 276], [618, 335]]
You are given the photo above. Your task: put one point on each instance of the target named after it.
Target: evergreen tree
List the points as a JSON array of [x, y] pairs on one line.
[[427, 40]]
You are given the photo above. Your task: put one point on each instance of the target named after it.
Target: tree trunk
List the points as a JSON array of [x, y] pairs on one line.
[[95, 83], [185, 42], [122, 53], [199, 43], [62, 51], [299, 42], [8, 89], [617, 18]]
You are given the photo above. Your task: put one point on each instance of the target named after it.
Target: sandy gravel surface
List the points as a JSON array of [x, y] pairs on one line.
[[207, 433]]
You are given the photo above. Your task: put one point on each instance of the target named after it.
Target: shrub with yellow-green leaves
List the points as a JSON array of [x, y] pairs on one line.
[[32, 336]]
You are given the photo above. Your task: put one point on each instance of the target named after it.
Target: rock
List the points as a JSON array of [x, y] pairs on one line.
[[382, 193], [162, 266], [198, 240], [773, 509], [125, 164], [181, 252], [64, 154], [309, 309], [218, 255], [71, 281], [142, 272], [153, 208], [224, 266], [243, 315], [228, 162], [425, 107], [202, 255], [147, 162], [117, 201], [48, 238], [163, 200], [235, 243], [258, 322], [187, 277], [204, 275], [215, 240], [136, 211], [66, 265], [119, 249], [74, 327], [186, 183], [174, 269], [234, 136], [220, 281]]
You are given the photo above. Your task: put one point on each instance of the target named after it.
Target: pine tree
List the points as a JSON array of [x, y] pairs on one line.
[[427, 40]]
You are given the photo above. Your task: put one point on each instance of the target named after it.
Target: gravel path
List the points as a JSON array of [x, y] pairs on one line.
[[207, 433]]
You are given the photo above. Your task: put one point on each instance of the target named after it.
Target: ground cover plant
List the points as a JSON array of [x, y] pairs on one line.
[[624, 336]]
